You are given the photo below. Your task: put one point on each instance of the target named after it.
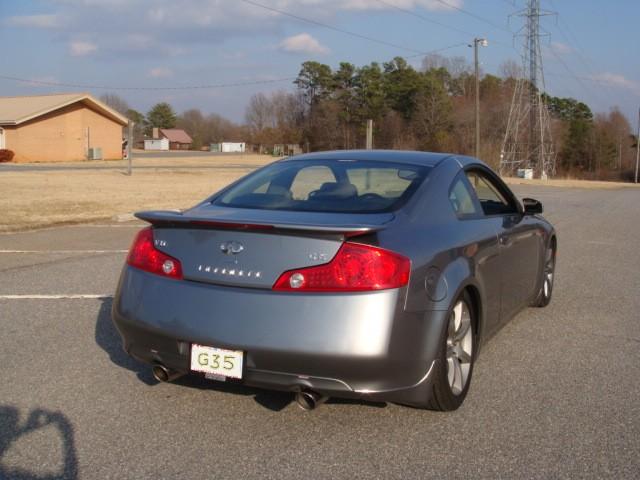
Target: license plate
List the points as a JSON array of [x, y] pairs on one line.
[[216, 361]]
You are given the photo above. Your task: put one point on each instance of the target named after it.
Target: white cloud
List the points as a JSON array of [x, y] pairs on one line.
[[618, 81], [166, 28], [81, 48], [561, 48], [35, 21], [303, 43], [160, 72], [433, 5]]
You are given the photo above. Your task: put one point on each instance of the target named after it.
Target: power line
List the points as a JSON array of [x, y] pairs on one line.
[[579, 51], [426, 19], [444, 25], [474, 15], [116, 87], [331, 27], [573, 75]]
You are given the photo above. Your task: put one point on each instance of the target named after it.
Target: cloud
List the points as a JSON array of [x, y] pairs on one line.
[[160, 72], [81, 48], [139, 29], [561, 48], [618, 81], [35, 21], [433, 5], [303, 43]]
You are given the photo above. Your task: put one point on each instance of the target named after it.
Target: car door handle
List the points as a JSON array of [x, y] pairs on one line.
[[504, 240]]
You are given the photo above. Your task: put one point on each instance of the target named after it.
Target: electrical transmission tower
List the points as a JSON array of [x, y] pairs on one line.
[[527, 141]]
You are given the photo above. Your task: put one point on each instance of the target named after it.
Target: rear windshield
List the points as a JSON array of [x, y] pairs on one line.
[[348, 186]]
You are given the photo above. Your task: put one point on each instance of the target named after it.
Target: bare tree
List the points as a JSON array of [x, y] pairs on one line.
[[116, 102]]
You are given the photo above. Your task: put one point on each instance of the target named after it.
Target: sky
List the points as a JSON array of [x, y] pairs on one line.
[[138, 48]]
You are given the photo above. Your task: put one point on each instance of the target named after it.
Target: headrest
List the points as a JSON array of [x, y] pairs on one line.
[[337, 190]]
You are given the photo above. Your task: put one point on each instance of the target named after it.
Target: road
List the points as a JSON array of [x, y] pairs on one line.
[[555, 394], [140, 161]]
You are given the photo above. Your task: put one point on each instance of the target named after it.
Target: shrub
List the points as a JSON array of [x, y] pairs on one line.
[[6, 155]]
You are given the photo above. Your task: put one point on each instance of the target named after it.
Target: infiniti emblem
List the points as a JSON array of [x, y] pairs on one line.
[[231, 248]]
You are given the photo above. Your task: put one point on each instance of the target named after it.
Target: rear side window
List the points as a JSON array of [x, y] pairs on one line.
[[350, 186], [462, 199], [492, 201]]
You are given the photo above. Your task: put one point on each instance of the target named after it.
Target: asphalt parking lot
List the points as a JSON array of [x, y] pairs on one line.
[[555, 394]]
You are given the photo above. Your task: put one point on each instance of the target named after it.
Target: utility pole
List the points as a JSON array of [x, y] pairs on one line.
[[638, 146], [129, 148], [483, 42], [369, 134]]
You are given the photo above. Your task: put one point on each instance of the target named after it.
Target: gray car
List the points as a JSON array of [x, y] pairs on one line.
[[362, 274]]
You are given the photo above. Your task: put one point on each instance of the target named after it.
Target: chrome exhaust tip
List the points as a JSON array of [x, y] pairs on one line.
[[163, 374], [309, 400]]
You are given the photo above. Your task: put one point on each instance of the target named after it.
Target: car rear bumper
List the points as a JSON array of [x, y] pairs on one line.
[[348, 345]]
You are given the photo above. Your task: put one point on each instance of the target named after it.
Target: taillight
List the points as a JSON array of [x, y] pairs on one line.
[[145, 256], [355, 268]]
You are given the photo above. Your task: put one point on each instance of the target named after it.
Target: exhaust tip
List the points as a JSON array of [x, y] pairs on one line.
[[163, 374], [309, 400], [160, 373]]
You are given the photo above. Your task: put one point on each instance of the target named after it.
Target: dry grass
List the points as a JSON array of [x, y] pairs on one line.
[[571, 183], [42, 198]]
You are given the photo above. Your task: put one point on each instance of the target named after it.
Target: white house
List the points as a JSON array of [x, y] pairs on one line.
[[232, 147], [156, 144]]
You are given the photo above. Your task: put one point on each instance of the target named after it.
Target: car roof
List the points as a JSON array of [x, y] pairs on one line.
[[400, 156]]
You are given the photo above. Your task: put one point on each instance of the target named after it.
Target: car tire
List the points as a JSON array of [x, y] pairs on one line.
[[454, 365], [548, 275]]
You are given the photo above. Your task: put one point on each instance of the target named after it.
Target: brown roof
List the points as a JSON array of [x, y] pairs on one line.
[[176, 135], [17, 110]]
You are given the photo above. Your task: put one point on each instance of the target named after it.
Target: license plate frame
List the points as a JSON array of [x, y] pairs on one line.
[[216, 361]]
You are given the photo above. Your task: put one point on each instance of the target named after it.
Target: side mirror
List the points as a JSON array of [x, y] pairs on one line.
[[531, 206]]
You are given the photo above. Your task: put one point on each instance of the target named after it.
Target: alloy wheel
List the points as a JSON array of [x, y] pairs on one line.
[[459, 347], [549, 267]]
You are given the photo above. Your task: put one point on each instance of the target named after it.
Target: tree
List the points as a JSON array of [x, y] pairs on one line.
[[277, 118], [368, 85], [576, 148], [315, 80], [116, 102], [194, 123], [431, 119], [160, 116], [402, 84], [138, 124]]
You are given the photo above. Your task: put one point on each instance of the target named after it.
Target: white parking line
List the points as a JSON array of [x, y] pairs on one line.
[[63, 251], [56, 297]]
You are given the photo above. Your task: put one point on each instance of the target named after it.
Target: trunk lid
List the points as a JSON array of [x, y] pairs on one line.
[[252, 248]]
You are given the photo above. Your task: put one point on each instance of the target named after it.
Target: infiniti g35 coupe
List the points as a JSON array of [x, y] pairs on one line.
[[365, 274]]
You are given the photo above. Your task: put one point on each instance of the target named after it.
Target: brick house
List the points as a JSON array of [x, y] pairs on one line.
[[178, 138], [59, 128]]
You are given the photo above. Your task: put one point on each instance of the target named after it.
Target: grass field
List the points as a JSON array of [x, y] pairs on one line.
[[33, 199]]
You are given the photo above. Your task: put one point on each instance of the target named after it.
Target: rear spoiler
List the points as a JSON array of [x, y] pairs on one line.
[[171, 218]]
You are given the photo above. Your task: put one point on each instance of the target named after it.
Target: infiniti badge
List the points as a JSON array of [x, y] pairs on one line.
[[231, 248]]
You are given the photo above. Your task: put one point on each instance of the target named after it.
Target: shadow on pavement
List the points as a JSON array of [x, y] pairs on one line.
[[109, 340], [11, 431]]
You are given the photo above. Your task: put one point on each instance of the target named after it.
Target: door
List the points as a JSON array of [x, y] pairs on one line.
[[478, 235], [519, 242]]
